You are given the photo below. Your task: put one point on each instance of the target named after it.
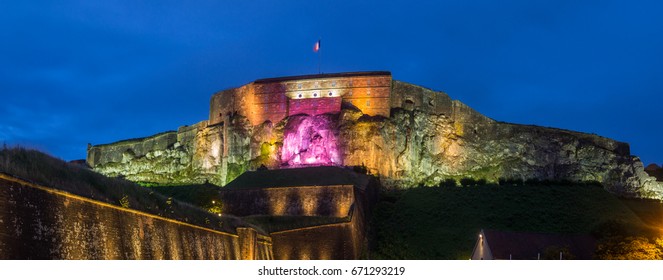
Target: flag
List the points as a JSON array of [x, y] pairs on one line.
[[316, 48]]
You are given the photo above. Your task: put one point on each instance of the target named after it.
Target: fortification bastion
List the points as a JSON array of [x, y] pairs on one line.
[[405, 134]]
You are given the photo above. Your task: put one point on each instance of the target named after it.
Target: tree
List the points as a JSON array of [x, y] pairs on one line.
[[630, 248]]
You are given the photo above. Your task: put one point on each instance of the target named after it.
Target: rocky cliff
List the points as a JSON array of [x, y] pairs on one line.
[[427, 138]]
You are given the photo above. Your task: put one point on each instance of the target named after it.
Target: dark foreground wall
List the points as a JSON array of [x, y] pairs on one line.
[[43, 223]]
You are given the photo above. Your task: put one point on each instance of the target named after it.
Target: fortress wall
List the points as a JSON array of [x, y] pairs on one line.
[[346, 240], [314, 106], [274, 99], [187, 133], [231, 101], [268, 107], [126, 150], [332, 201], [409, 97], [373, 101], [220, 104], [326, 242], [193, 154], [43, 223]]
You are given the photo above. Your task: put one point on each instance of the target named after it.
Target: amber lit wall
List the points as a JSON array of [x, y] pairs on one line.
[[274, 99], [42, 223], [314, 106], [231, 101], [326, 242], [346, 240], [329, 201]]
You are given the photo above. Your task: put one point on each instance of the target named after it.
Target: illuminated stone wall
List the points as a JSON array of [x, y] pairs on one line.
[[323, 192], [422, 138], [194, 154], [230, 102], [42, 223], [274, 99], [330, 201], [326, 242], [339, 241]]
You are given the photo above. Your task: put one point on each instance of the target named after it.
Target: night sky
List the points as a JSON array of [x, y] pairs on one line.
[[78, 72]]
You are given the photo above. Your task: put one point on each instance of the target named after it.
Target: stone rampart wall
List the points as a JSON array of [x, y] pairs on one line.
[[43, 223], [427, 138], [267, 100], [330, 201], [339, 241], [126, 150]]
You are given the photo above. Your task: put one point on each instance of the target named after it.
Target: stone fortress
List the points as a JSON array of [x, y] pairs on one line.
[[405, 134], [277, 98]]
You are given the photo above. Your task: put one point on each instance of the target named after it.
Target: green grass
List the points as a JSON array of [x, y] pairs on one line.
[[203, 195], [443, 222], [649, 211]]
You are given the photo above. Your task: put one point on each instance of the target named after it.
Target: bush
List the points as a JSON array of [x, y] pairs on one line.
[[468, 182], [361, 169], [630, 248], [533, 182], [448, 183]]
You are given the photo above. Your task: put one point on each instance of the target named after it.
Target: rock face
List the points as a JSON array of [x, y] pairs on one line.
[[427, 138]]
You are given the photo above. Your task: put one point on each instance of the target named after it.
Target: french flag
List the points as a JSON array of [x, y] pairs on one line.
[[316, 48]]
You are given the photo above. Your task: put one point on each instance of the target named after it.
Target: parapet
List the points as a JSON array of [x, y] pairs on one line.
[[274, 99]]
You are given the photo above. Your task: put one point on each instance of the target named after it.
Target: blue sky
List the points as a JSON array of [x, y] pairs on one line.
[[78, 72]]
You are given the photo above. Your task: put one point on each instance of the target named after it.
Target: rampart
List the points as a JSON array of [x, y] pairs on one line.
[[345, 240], [43, 223], [406, 134], [328, 201], [333, 192], [276, 98]]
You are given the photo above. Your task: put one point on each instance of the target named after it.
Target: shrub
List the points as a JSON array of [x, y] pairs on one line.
[[448, 183], [124, 201], [468, 182], [630, 248], [361, 169], [533, 182]]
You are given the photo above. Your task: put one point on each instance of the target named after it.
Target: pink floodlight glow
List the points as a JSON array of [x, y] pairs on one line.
[[310, 140]]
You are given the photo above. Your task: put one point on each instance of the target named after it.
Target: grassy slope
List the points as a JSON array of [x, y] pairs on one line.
[[442, 223], [200, 195], [649, 211], [45, 170]]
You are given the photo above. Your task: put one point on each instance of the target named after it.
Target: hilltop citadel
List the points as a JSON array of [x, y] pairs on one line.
[[405, 134]]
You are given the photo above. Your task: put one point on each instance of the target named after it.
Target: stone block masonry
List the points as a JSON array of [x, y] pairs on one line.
[[42, 223], [277, 98], [328, 201]]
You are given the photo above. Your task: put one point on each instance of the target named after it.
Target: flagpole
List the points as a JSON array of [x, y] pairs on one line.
[[319, 56]]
